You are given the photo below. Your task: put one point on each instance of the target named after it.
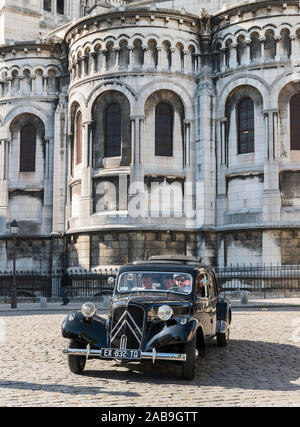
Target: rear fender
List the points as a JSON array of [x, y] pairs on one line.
[[223, 313], [90, 331]]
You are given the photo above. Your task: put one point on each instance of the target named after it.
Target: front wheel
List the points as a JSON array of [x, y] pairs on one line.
[[188, 367], [76, 363]]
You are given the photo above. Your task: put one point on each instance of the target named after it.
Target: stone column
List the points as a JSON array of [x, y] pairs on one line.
[[233, 56], [262, 45], [279, 51], [221, 170], [144, 65], [45, 81], [104, 60], [137, 164], [86, 190], [93, 58], [77, 68], [205, 154], [117, 58], [159, 55], [130, 63], [248, 44], [187, 139], [60, 161], [3, 187], [9, 80], [83, 60], [47, 210], [293, 47], [271, 199], [173, 66], [223, 64]]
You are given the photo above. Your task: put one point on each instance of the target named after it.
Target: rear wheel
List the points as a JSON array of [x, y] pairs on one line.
[[76, 363], [188, 367], [223, 338]]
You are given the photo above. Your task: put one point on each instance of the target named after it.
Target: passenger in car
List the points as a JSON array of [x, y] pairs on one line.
[[147, 281], [168, 281]]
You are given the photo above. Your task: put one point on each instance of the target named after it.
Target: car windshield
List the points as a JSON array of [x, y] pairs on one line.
[[155, 281]]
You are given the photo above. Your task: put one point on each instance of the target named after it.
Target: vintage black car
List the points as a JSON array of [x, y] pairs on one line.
[[167, 308]]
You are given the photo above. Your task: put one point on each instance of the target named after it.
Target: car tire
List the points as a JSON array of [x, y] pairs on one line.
[[223, 338], [76, 363], [188, 367]]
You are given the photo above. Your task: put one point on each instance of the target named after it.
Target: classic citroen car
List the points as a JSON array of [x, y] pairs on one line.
[[166, 308]]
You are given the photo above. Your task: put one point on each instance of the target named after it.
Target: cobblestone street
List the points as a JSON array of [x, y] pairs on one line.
[[260, 367]]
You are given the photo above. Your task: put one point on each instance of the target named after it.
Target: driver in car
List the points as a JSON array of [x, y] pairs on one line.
[[168, 281], [147, 281], [181, 283]]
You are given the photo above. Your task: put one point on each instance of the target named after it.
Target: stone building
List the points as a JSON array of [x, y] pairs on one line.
[[138, 128]]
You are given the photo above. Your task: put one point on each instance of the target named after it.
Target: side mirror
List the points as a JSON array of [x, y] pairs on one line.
[[111, 281]]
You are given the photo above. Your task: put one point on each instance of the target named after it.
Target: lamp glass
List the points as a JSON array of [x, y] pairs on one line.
[[14, 228]]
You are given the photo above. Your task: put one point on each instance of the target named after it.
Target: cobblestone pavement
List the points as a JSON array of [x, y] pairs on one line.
[[260, 367]]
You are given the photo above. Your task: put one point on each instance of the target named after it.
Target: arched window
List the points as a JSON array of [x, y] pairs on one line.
[[78, 138], [27, 148], [164, 130], [113, 131], [60, 7], [245, 119], [295, 121], [47, 5]]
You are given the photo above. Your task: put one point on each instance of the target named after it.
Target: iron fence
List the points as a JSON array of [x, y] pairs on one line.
[[83, 284], [93, 284], [259, 278]]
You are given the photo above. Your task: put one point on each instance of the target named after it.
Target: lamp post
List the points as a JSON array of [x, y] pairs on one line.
[[14, 228]]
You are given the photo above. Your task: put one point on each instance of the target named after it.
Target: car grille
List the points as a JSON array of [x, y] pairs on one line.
[[127, 328]]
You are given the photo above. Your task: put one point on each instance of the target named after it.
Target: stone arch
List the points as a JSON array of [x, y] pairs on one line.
[[285, 79], [287, 91], [16, 126], [79, 98], [112, 85], [146, 91], [154, 150], [233, 102], [237, 81], [29, 109], [104, 100]]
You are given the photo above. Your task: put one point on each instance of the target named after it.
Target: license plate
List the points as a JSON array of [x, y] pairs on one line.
[[117, 353]]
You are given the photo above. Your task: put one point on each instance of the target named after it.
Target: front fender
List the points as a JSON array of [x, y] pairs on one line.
[[91, 331], [173, 334]]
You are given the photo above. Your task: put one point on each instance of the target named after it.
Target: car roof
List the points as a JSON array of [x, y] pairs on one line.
[[163, 263]]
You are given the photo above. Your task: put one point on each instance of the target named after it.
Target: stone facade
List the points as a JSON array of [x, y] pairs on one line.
[[217, 193]]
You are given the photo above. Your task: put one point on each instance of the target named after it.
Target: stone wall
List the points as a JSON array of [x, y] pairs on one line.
[[120, 247]]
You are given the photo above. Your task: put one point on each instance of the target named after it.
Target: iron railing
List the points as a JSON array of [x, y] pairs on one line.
[[83, 284], [93, 284], [259, 278]]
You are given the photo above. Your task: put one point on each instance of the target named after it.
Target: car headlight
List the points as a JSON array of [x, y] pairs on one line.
[[165, 312], [88, 309]]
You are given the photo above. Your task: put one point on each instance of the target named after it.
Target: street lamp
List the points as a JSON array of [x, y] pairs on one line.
[[14, 228]]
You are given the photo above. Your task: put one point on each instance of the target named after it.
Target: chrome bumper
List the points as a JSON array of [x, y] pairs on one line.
[[144, 355]]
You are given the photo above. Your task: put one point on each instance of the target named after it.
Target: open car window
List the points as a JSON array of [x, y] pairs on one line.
[[155, 282]]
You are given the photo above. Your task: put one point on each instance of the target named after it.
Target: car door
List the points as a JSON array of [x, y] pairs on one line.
[[203, 307], [213, 299]]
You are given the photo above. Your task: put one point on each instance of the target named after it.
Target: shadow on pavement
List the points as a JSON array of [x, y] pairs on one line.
[[65, 389], [242, 364]]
